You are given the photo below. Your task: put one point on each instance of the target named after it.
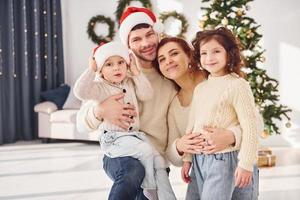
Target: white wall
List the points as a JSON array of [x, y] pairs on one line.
[[279, 22]]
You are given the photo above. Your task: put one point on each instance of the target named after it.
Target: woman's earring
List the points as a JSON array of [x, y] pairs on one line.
[[189, 66]]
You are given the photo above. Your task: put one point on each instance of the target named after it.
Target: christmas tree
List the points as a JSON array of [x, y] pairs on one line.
[[232, 14]]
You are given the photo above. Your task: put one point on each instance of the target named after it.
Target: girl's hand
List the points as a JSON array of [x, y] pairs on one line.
[[134, 65], [216, 139], [189, 143], [92, 64], [185, 172], [242, 177]]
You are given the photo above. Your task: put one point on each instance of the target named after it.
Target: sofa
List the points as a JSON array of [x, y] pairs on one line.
[[60, 123]]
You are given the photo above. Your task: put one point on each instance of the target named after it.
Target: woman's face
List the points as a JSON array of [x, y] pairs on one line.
[[213, 57], [173, 61]]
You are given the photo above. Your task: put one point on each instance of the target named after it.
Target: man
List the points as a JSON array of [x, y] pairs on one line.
[[138, 30]]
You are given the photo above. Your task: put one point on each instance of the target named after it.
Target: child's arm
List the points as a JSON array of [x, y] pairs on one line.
[[84, 88], [143, 88], [244, 105]]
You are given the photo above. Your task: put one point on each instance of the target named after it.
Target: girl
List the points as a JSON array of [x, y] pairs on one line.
[[109, 76], [223, 100]]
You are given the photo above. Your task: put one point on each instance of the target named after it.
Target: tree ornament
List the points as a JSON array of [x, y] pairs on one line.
[[239, 12], [265, 134], [98, 38], [262, 59], [201, 24], [288, 124], [224, 21], [204, 18]]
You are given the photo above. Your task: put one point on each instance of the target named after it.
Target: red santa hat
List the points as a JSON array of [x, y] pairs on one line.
[[134, 16], [106, 50]]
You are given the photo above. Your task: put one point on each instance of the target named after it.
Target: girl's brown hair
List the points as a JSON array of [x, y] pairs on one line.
[[228, 41]]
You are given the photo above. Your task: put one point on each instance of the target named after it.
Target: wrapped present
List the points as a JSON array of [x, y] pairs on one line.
[[265, 157], [266, 160], [264, 151]]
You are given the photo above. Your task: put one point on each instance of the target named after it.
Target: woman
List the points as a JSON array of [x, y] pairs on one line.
[[176, 62]]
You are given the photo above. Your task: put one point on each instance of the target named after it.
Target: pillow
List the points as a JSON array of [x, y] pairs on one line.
[[57, 96], [72, 102]]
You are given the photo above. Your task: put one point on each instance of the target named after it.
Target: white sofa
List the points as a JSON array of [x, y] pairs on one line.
[[60, 124]]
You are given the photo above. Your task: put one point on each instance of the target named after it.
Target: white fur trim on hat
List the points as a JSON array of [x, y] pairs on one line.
[[110, 49], [131, 21]]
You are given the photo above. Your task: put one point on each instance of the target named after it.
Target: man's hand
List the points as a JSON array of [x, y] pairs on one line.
[[216, 139], [185, 172], [242, 177], [189, 143], [115, 112]]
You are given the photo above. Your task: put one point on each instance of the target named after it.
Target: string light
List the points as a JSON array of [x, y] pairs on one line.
[[13, 40], [25, 40], [45, 42]]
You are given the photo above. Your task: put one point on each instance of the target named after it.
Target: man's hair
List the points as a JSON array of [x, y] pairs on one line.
[[140, 26]]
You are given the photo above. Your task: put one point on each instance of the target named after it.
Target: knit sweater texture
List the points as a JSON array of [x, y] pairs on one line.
[[152, 113], [224, 102]]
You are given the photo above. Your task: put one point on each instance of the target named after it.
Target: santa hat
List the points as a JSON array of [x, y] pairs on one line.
[[134, 16], [106, 50]]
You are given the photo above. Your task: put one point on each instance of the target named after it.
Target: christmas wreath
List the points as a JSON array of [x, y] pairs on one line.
[[184, 24], [98, 38], [124, 3]]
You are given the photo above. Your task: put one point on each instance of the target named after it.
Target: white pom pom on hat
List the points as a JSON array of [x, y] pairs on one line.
[[134, 16]]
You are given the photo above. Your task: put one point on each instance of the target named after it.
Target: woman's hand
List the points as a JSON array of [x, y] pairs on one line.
[[92, 64], [216, 139], [189, 143], [185, 172], [242, 177], [134, 69]]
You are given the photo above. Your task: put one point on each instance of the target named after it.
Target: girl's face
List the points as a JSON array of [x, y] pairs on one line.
[[173, 61], [114, 69], [213, 57]]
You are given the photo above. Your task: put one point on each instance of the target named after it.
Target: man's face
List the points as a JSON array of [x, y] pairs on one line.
[[143, 42]]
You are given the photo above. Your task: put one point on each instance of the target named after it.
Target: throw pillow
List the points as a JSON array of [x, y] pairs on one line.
[[72, 102], [57, 95]]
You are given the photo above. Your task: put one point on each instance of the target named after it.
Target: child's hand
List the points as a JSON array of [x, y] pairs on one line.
[[133, 65], [242, 177], [185, 172], [92, 64]]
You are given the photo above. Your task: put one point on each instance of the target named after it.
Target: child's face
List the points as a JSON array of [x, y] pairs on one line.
[[114, 69], [213, 57]]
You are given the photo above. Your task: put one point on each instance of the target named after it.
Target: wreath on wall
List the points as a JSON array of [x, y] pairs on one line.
[[99, 38], [122, 4], [184, 24]]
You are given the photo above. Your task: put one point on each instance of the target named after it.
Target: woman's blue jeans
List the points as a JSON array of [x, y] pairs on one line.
[[127, 173]]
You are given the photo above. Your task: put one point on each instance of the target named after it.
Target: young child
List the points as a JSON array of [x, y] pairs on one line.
[[113, 72], [223, 100]]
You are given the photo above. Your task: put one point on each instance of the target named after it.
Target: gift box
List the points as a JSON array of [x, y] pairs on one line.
[[266, 160], [265, 157]]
